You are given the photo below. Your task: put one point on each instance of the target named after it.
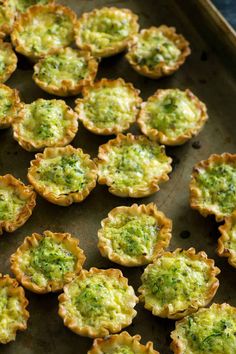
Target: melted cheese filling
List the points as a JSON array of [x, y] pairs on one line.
[[6, 104], [121, 349], [10, 204], [23, 5]]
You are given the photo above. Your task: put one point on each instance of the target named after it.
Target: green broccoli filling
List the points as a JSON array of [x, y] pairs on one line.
[[6, 105], [10, 205], [121, 350], [23, 5]]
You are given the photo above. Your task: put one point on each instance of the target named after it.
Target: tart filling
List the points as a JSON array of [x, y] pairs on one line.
[[6, 18], [63, 175], [134, 236], [122, 343], [66, 72], [213, 186], [132, 166], [9, 104], [45, 123], [20, 6], [43, 29], [8, 61], [106, 31], [98, 302], [172, 116], [108, 106], [178, 283], [227, 241], [157, 51], [45, 263], [211, 330], [13, 313], [17, 202]]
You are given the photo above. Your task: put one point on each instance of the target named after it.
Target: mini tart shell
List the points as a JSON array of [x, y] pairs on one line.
[[17, 291], [118, 128], [11, 57], [90, 331], [67, 88], [164, 234], [195, 191], [225, 230], [33, 145], [160, 69], [128, 191], [166, 312], [26, 193], [63, 199], [156, 135], [114, 48], [105, 345], [177, 346], [15, 99], [31, 242], [27, 17]]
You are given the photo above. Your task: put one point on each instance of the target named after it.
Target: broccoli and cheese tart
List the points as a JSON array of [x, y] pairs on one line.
[[210, 330], [13, 313], [43, 29], [108, 106], [9, 105], [19, 6], [178, 283], [63, 175], [17, 202], [213, 186], [45, 123], [157, 51], [8, 61], [98, 302], [172, 116], [122, 343], [105, 31], [7, 17], [132, 166], [65, 72], [45, 263], [134, 236], [227, 241]]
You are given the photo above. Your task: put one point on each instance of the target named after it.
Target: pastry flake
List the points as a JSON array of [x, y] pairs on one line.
[[8, 61], [9, 105], [227, 241]]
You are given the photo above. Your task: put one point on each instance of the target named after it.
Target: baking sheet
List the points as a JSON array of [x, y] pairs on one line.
[[210, 77]]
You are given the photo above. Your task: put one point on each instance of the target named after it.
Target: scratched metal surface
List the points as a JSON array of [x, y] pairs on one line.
[[209, 78]]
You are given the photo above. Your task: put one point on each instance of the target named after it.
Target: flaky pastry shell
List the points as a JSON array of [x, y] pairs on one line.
[[116, 341], [155, 134], [130, 191], [14, 290], [62, 199], [30, 242], [113, 48], [67, 86], [196, 195], [7, 120], [168, 310], [106, 327], [24, 192], [117, 127], [10, 61], [161, 69], [226, 230], [163, 235]]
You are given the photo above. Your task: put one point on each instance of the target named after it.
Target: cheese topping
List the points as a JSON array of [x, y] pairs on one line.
[[122, 349], [10, 204], [23, 5], [7, 104]]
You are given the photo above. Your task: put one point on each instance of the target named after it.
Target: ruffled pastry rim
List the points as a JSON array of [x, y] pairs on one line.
[[225, 230]]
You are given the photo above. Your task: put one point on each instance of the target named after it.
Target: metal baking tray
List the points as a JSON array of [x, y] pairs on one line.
[[210, 73]]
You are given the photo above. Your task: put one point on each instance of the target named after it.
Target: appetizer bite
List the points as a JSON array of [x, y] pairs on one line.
[[98, 302], [108, 106], [227, 241], [122, 343], [7, 17], [178, 283], [213, 186], [45, 263], [13, 303], [132, 166], [172, 116], [157, 51], [105, 31], [8, 61], [66, 72], [134, 236], [19, 6], [9, 105], [17, 202], [211, 330], [45, 123], [43, 29], [63, 175]]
